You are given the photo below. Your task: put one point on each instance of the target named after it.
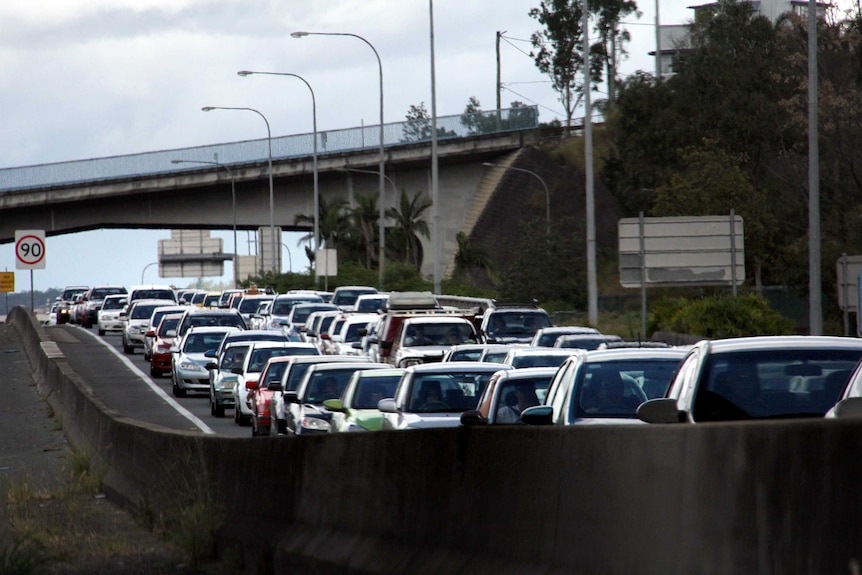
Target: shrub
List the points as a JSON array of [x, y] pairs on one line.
[[718, 317]]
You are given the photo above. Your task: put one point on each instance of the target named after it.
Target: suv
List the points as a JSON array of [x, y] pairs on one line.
[[152, 292], [424, 339], [513, 325], [345, 296], [198, 316], [93, 299]]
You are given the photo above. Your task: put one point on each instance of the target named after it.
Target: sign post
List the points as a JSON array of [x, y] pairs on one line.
[[30, 254]]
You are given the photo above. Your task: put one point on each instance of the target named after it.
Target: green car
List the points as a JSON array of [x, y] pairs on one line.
[[356, 410]]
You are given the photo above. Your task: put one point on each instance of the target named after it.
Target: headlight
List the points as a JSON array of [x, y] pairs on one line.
[[315, 424], [226, 382]]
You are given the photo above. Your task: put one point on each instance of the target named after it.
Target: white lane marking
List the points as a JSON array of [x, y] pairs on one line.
[[170, 400]]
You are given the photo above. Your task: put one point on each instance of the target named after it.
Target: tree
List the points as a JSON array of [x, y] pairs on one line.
[[471, 261], [363, 218], [559, 50], [418, 124], [410, 223], [613, 39], [332, 225]]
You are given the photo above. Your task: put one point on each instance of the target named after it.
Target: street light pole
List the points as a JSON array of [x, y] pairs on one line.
[[435, 180], [271, 193], [233, 209], [314, 161], [544, 185], [382, 185], [388, 179], [146, 267]]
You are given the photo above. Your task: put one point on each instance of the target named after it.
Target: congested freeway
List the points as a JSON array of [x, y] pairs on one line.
[[248, 363]]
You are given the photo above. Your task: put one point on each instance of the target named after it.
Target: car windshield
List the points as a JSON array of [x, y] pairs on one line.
[[453, 391], [587, 343], [228, 320], [438, 333], [471, 354], [371, 389], [113, 303], [519, 323], [168, 324], [233, 357], [348, 297], [101, 293], [353, 332], [249, 305], [154, 294], [766, 384], [203, 342], [326, 384], [259, 357], [301, 313], [71, 294], [616, 388], [143, 311]]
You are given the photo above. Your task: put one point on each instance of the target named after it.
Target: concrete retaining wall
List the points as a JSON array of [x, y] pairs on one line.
[[776, 497]]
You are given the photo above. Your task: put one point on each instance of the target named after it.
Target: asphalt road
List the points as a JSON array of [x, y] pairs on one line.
[[124, 384]]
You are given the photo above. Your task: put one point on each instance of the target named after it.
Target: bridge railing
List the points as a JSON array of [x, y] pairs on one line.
[[253, 151]]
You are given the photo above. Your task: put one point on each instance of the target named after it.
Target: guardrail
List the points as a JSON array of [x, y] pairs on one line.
[[283, 147]]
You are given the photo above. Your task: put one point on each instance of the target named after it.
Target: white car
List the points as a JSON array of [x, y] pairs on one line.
[[136, 322], [435, 394], [189, 360], [108, 318], [356, 409], [259, 352], [347, 341], [425, 339]]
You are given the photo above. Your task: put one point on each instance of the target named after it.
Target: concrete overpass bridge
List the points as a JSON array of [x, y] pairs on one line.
[[147, 190]]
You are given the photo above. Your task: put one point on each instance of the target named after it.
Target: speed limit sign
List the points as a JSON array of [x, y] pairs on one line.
[[30, 249]]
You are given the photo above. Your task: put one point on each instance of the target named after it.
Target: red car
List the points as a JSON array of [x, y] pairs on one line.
[[163, 338], [260, 396]]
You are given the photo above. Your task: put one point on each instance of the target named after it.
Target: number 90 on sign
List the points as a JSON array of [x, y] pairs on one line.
[[30, 249]]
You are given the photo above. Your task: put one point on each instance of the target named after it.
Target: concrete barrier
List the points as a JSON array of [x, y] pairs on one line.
[[773, 497]]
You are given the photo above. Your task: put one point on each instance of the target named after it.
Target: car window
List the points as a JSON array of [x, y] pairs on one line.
[[167, 324], [328, 384], [233, 356], [202, 342], [370, 390]]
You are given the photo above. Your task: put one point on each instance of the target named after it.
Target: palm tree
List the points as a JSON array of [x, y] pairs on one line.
[[333, 223], [363, 226], [410, 222]]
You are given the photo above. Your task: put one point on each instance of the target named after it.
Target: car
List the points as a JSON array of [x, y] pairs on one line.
[[108, 317], [136, 320], [605, 387], [356, 409], [495, 353], [298, 316], [258, 318], [224, 298], [344, 297], [164, 336], [371, 303], [52, 314], [516, 324], [249, 305], [223, 373], [747, 378], [293, 373], [152, 291], [68, 297], [425, 338], [93, 298], [435, 394], [467, 352], [508, 394], [305, 412], [198, 316], [318, 322], [347, 340], [282, 304], [259, 352], [546, 336], [520, 357], [211, 300], [155, 318], [584, 341], [260, 394], [189, 360], [249, 335]]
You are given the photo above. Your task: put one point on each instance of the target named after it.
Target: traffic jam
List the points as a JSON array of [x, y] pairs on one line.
[[356, 360]]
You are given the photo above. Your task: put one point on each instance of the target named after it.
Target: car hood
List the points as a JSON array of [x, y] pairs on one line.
[[367, 419], [431, 420], [425, 351]]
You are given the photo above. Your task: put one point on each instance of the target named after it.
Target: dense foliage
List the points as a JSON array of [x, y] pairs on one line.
[[718, 316]]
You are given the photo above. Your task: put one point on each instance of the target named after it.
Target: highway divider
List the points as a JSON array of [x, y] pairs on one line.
[[767, 497]]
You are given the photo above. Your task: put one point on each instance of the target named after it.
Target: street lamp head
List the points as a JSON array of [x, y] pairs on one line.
[[208, 108], [298, 34], [489, 164], [244, 73], [177, 161]]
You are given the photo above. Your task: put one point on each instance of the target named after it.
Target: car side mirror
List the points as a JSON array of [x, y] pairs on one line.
[[236, 370], [850, 407], [472, 417], [291, 397], [660, 410], [211, 365], [274, 386], [387, 405], [334, 405], [538, 415], [151, 333]]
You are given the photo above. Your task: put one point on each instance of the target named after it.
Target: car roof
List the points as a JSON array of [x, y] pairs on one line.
[[334, 365], [527, 372], [212, 328], [781, 342], [437, 319], [635, 353], [540, 351], [444, 367]]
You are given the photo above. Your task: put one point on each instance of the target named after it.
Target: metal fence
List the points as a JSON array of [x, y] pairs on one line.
[[283, 147]]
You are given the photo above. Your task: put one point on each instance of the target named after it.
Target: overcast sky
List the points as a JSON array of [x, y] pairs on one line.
[[93, 78]]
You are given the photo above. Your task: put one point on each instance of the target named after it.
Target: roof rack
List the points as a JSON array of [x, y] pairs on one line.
[[500, 303]]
